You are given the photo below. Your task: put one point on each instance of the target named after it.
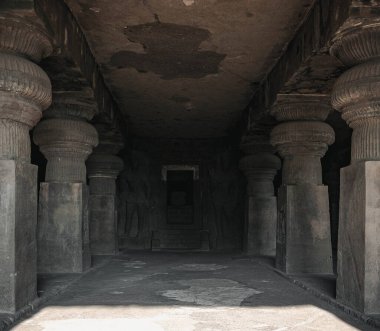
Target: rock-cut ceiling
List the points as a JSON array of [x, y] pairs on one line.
[[186, 68]]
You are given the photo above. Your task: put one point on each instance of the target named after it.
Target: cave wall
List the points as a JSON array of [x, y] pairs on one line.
[[142, 198]]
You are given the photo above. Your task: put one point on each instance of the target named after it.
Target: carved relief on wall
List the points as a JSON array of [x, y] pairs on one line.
[[224, 202]]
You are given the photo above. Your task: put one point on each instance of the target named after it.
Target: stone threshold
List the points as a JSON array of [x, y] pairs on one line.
[[323, 295], [9, 320]]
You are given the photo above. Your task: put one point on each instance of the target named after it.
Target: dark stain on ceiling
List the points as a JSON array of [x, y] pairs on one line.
[[171, 51], [186, 68]]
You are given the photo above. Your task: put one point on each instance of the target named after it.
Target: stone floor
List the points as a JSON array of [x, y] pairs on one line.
[[169, 291]]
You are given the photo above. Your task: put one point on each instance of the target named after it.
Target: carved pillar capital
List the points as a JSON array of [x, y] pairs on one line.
[[303, 139], [65, 138], [356, 92], [25, 89], [357, 41], [301, 107], [23, 38], [259, 166], [104, 165], [103, 162]]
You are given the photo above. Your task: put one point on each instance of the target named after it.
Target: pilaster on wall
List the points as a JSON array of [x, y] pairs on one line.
[[103, 167], [25, 91], [260, 165], [357, 95], [303, 230], [66, 140]]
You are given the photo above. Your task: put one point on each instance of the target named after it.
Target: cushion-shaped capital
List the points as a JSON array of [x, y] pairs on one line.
[[357, 41], [302, 138], [19, 36]]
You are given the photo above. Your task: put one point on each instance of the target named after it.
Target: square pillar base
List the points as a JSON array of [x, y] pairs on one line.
[[303, 230], [261, 226], [103, 236], [63, 236], [358, 282], [18, 251]]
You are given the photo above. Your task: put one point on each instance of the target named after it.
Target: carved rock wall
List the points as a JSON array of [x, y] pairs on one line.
[[142, 204]]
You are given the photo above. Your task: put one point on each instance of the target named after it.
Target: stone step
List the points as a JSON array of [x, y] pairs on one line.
[[180, 239]]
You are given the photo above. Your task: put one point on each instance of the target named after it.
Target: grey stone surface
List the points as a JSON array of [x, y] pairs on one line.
[[356, 95], [358, 283], [219, 193], [103, 168], [180, 239], [102, 215], [18, 208], [259, 166], [159, 292], [303, 230], [48, 286], [63, 236], [261, 227]]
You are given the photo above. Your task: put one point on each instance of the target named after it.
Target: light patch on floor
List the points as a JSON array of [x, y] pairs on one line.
[[211, 292], [200, 267], [132, 279], [134, 264], [118, 324], [196, 318]]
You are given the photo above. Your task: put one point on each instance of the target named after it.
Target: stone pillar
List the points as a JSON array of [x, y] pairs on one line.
[[260, 166], [66, 140], [357, 95], [103, 167], [303, 230], [25, 91]]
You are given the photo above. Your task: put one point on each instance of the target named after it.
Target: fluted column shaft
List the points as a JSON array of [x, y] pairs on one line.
[[25, 91], [356, 94], [303, 230]]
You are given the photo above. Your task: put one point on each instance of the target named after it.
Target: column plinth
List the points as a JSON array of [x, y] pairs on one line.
[[303, 229], [25, 91], [103, 167], [356, 94], [259, 167], [66, 140]]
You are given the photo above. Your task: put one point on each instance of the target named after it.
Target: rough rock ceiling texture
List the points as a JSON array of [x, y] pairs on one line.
[[186, 68]]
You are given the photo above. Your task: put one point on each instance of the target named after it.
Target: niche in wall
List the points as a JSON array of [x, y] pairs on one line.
[[180, 193]]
